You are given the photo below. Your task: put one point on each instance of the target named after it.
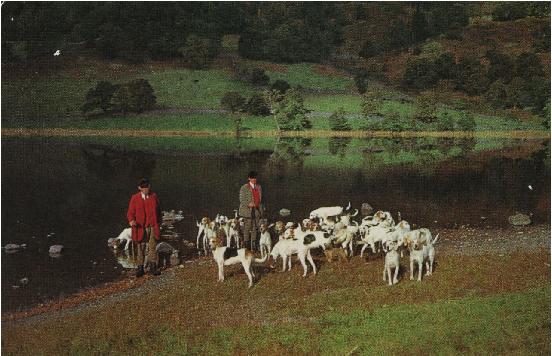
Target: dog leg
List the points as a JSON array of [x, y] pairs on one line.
[[221, 271], [428, 271], [362, 250], [289, 263], [384, 272], [284, 263], [389, 276], [303, 262], [396, 279], [309, 257], [420, 268], [247, 268], [411, 269]]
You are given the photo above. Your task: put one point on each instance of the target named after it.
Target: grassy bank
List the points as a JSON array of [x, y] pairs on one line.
[[344, 308], [53, 97]]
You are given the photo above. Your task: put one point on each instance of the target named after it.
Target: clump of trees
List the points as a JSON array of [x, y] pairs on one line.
[[198, 52], [251, 74], [232, 101], [505, 81], [135, 96], [508, 11], [255, 105], [338, 120], [288, 109]]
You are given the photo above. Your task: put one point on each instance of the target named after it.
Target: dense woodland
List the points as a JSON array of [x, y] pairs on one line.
[[357, 37]]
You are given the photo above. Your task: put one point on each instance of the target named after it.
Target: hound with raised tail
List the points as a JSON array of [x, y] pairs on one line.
[[226, 256], [322, 214]]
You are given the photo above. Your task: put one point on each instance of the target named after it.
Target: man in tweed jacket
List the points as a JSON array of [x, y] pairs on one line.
[[251, 208]]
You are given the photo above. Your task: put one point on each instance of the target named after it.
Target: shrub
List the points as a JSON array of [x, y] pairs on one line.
[[445, 122], [497, 95], [361, 81], [393, 121], [536, 94], [256, 105], [372, 103], [338, 121], [546, 115], [501, 66], [528, 66], [471, 76], [432, 50], [120, 102], [232, 101], [426, 109], [541, 38], [445, 66], [420, 73], [466, 122], [134, 96], [507, 11], [369, 49], [99, 97], [198, 51], [141, 95], [253, 75], [280, 85], [515, 93]]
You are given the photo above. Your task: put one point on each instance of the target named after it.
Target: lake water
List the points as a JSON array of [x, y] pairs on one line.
[[78, 189]]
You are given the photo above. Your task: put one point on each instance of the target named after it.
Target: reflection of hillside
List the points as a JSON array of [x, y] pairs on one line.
[[105, 161], [418, 150], [288, 156], [338, 145]]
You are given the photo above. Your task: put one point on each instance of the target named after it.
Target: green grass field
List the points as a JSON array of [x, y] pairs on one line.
[[43, 99], [344, 309]]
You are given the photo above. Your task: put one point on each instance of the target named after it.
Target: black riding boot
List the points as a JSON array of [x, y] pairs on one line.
[[140, 271], [154, 270]]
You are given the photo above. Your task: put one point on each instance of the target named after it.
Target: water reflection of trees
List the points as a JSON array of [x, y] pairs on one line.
[[288, 156], [338, 145], [420, 150], [106, 162]]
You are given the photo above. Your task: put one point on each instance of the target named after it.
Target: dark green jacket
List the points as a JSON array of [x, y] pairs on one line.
[[246, 197]]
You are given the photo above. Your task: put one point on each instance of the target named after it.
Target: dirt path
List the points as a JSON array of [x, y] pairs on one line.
[[466, 242]]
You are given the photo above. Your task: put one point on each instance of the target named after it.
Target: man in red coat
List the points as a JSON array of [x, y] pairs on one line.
[[144, 216]]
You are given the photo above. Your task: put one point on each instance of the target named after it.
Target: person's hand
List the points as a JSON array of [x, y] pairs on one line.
[[251, 205], [132, 223]]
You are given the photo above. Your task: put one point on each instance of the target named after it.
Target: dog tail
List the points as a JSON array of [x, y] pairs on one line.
[[435, 239]]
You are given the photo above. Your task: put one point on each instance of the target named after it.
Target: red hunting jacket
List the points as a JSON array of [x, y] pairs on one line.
[[145, 213]]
